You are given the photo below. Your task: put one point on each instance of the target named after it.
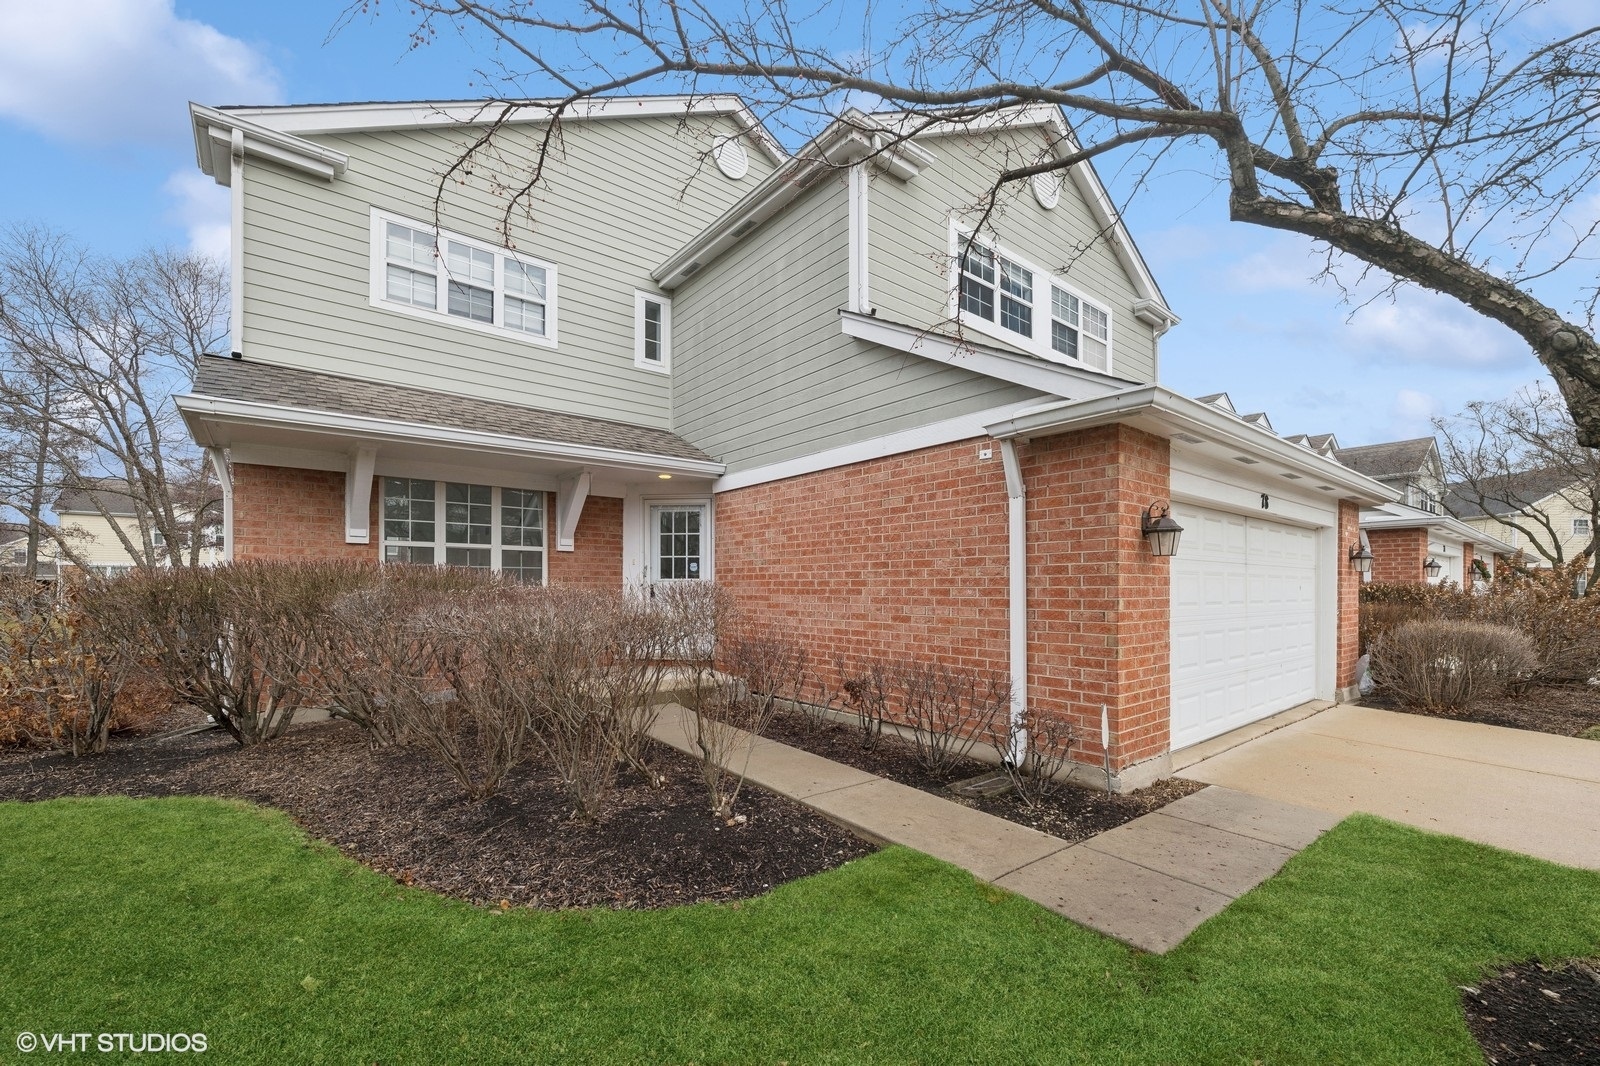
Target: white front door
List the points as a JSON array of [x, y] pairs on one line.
[[678, 542], [1244, 600]]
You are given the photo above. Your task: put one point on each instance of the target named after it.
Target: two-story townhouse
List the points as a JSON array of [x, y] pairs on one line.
[[1539, 514], [1413, 540], [100, 519], [892, 418]]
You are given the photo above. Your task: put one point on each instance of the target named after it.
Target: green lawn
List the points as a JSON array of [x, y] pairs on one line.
[[197, 915]]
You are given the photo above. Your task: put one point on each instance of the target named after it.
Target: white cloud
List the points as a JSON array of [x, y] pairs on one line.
[[1284, 264], [201, 207], [119, 71], [1423, 327]]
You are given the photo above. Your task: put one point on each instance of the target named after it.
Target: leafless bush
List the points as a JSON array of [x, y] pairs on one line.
[[866, 693], [948, 710], [472, 709], [1450, 665], [1564, 629], [1038, 745], [234, 641]]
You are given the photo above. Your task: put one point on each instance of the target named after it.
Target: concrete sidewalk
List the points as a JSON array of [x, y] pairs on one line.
[[1512, 788], [1148, 883]]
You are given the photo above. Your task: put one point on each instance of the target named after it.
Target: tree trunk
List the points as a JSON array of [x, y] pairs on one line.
[[1570, 354]]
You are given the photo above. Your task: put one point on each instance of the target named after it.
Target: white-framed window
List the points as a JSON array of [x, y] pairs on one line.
[[679, 541], [429, 273], [1015, 301], [652, 331], [1580, 527], [452, 523]]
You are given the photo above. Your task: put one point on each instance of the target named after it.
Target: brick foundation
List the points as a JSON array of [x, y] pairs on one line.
[[1398, 555], [906, 558], [287, 513]]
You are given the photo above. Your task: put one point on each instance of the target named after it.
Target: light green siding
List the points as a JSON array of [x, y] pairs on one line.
[[618, 197], [762, 371], [910, 238]]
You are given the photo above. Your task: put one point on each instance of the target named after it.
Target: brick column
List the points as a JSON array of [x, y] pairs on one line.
[[1349, 617], [1398, 555]]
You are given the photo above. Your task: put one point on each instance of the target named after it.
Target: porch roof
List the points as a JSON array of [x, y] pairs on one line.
[[244, 392]]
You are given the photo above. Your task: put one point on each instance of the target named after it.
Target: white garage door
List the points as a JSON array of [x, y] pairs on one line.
[[1243, 621]]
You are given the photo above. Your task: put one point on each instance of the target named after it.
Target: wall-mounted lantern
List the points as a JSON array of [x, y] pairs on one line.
[[1160, 531], [1361, 560], [1432, 568]]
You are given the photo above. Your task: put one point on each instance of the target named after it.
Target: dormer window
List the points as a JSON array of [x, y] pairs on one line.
[[429, 273], [1004, 296]]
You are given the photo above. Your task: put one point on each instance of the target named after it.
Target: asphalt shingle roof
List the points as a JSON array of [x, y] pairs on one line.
[[1505, 494], [1390, 459], [243, 379], [111, 493]]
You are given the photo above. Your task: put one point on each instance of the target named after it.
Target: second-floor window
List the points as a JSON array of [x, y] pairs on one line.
[[1023, 305], [1580, 527], [652, 331], [431, 273]]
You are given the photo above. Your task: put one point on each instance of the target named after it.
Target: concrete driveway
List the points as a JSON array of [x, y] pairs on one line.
[[1529, 792]]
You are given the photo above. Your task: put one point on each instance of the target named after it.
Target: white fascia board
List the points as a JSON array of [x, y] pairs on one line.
[[410, 114], [1400, 516], [1025, 370], [847, 140], [213, 146], [197, 410], [946, 431], [1163, 410]]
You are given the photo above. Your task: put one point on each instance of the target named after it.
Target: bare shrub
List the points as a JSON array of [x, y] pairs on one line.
[[866, 693], [948, 710], [237, 642], [1564, 629], [1449, 665], [1385, 605], [1038, 746], [629, 653]]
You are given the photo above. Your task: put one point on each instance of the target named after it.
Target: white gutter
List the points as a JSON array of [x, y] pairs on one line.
[[1166, 412], [1017, 595], [215, 141], [197, 410]]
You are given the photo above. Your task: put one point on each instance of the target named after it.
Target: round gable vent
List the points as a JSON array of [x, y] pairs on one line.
[[1046, 189], [731, 158]]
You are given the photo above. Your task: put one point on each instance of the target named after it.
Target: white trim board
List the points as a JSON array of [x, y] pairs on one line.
[[948, 431]]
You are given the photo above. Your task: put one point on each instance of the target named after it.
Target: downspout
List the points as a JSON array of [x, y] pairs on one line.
[[1017, 597], [236, 245]]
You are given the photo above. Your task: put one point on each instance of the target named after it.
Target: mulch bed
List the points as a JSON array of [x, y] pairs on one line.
[[400, 813], [1532, 1013], [1565, 711], [1073, 813]]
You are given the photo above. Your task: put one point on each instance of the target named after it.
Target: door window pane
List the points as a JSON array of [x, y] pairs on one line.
[[678, 543]]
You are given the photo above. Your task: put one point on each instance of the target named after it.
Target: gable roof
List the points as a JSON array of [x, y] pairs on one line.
[[1389, 459], [309, 390], [108, 494], [1506, 493], [279, 133]]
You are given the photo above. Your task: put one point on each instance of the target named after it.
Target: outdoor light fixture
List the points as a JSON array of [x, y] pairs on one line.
[[1360, 560], [1159, 529], [1432, 567], [664, 477]]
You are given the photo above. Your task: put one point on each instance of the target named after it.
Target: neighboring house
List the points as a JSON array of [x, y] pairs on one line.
[[14, 557], [86, 516], [1413, 539], [699, 356], [1536, 512]]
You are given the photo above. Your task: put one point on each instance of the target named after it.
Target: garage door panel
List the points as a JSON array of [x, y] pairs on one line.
[[1243, 621]]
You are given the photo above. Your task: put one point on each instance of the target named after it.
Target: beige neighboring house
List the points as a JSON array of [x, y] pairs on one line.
[[85, 517], [1532, 511]]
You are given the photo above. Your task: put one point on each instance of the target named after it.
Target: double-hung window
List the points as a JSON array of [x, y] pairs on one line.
[[458, 524], [430, 273], [1017, 302], [1580, 527]]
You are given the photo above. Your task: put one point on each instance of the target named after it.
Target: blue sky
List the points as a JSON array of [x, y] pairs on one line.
[[94, 141]]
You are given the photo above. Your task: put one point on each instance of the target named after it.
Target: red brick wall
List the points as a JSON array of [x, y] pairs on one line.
[[1466, 564], [905, 557], [1398, 554], [283, 513], [1099, 602], [596, 560], [1349, 617]]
